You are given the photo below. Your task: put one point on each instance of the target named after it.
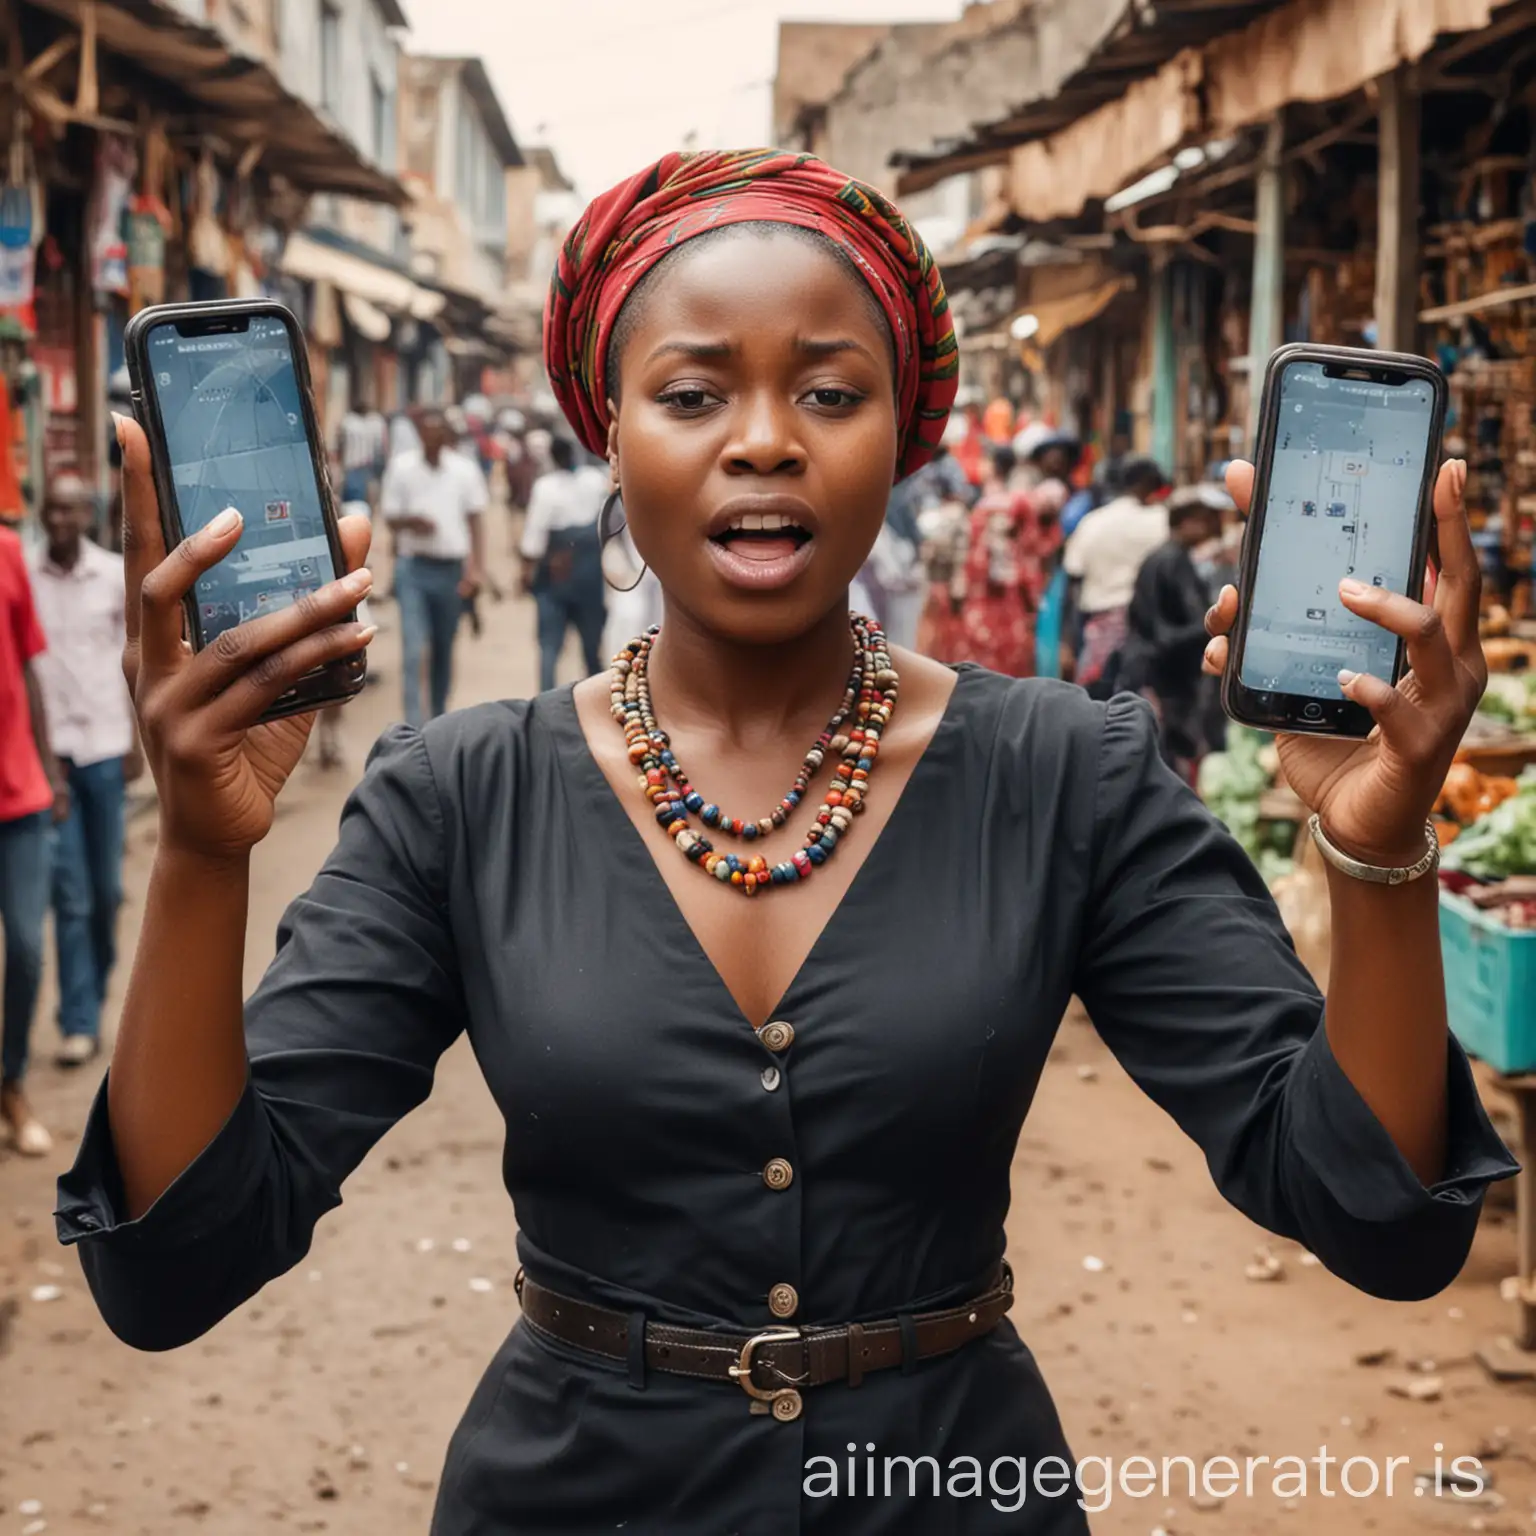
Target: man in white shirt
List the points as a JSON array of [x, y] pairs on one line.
[[1104, 556], [78, 591], [562, 558], [435, 501]]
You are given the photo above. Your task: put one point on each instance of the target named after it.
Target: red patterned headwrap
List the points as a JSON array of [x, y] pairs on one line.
[[624, 233]]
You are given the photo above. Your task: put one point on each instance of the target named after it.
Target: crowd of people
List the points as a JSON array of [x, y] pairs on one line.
[[1014, 549]]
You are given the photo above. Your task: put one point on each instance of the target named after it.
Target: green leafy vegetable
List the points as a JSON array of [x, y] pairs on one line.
[[1502, 843]]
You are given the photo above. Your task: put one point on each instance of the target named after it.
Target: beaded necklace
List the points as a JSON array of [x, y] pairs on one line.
[[868, 701]]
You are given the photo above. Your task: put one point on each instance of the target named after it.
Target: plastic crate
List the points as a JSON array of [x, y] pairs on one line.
[[1490, 985]]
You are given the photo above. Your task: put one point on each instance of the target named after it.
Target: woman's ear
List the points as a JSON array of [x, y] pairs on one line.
[[613, 444]]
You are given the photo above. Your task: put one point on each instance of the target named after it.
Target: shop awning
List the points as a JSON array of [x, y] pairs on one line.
[[1086, 53], [1056, 317], [312, 261], [243, 99], [1310, 51], [369, 321]]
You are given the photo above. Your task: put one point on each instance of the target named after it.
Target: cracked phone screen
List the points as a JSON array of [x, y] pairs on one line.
[[234, 427], [1344, 495]]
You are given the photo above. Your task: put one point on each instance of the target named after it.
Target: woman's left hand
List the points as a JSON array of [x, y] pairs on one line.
[[1374, 796]]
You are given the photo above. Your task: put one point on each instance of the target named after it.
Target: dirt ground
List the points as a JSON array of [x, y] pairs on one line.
[[327, 1403]]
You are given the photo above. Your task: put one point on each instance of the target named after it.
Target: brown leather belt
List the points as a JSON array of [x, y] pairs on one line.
[[771, 1366]]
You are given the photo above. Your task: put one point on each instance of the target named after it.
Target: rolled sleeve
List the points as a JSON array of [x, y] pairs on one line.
[[209, 1197], [1353, 1158], [342, 1037], [1192, 980]]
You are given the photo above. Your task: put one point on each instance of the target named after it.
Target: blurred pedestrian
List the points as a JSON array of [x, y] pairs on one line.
[[562, 558], [1166, 635], [34, 799], [78, 589], [1003, 574], [435, 498], [361, 447], [1102, 558]]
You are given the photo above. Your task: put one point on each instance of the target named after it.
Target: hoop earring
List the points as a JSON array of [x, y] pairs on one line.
[[606, 535]]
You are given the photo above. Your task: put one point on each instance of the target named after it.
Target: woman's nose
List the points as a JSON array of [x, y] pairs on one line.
[[765, 440]]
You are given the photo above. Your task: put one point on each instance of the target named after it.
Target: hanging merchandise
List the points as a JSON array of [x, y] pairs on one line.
[[116, 164], [21, 228], [12, 506], [18, 198], [206, 246], [148, 225]]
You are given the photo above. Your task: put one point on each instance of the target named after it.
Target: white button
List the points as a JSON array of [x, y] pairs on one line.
[[770, 1076]]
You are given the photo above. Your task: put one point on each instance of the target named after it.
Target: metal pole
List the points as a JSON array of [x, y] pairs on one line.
[[1165, 366], [1266, 317]]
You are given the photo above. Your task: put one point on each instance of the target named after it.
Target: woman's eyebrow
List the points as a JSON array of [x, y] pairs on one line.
[[831, 347], [704, 351]]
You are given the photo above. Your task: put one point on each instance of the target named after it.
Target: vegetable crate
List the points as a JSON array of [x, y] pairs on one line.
[[1490, 985]]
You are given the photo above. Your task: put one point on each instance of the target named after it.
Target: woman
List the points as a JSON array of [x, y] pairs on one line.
[[759, 1148], [1101, 558], [1003, 574]]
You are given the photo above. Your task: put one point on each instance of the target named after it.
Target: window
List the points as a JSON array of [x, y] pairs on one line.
[[330, 57], [379, 107]]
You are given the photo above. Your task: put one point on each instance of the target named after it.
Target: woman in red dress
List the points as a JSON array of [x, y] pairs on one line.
[[1012, 537]]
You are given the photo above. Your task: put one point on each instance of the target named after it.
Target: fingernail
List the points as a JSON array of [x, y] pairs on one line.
[[1353, 588], [117, 428], [1346, 677], [1461, 476], [224, 524], [365, 635], [359, 581]]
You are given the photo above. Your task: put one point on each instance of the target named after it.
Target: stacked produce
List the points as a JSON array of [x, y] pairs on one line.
[[1234, 783], [1493, 861], [1511, 701]]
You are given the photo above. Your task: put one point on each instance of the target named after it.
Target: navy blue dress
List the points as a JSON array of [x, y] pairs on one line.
[[1040, 849]]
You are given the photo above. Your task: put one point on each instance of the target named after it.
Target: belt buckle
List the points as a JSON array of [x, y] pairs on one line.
[[763, 1399]]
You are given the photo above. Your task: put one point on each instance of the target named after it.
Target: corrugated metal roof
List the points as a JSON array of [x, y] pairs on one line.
[[242, 96], [1135, 39]]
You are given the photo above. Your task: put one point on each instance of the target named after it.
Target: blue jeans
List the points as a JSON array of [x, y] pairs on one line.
[[430, 609], [26, 863], [87, 891], [577, 603]]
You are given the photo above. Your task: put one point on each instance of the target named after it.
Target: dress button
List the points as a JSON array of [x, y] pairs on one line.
[[777, 1036], [786, 1406], [770, 1077], [778, 1174], [783, 1301]]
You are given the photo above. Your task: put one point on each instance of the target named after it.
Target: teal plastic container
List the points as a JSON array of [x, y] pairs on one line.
[[1490, 985]]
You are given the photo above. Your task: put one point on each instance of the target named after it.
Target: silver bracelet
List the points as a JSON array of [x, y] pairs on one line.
[[1375, 874]]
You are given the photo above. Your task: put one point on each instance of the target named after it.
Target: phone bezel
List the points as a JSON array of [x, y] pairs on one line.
[[1291, 712], [337, 681]]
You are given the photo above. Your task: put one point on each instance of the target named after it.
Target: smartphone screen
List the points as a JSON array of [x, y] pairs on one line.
[[232, 412], [1349, 465]]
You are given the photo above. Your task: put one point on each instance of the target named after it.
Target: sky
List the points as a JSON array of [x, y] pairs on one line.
[[612, 84]]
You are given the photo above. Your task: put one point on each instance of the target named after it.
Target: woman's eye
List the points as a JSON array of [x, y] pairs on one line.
[[832, 399], [686, 399]]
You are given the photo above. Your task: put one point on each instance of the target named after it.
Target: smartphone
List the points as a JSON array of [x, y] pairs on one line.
[[222, 391], [1344, 480]]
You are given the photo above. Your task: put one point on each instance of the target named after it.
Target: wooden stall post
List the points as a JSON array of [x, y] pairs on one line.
[[1165, 365], [1266, 320], [1397, 208]]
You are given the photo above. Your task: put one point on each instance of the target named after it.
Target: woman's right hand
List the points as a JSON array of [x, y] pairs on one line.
[[217, 770]]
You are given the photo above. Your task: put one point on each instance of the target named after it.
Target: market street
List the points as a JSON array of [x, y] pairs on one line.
[[326, 1404]]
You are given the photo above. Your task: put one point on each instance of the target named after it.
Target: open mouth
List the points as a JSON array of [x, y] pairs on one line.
[[762, 536]]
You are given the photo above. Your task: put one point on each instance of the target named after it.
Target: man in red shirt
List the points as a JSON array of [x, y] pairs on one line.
[[33, 799]]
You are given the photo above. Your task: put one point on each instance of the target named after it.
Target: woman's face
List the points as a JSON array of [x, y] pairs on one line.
[[755, 434]]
